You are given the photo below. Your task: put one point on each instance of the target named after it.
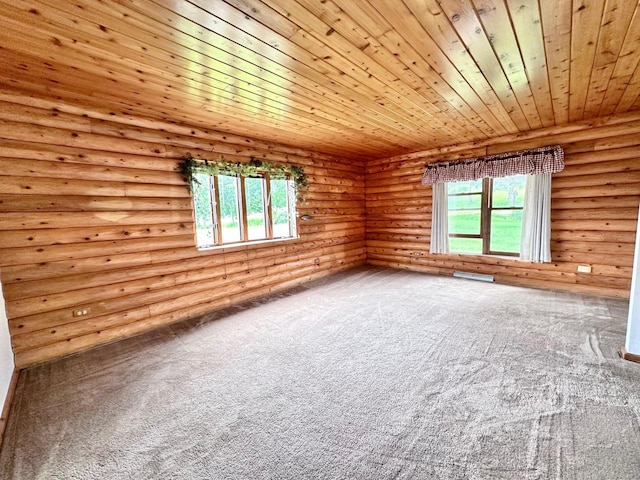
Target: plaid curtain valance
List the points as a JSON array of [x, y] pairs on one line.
[[526, 162]]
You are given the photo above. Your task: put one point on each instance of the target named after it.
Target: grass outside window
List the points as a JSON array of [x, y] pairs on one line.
[[485, 216]]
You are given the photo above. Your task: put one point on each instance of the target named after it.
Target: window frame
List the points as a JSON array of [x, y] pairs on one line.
[[243, 218], [486, 210]]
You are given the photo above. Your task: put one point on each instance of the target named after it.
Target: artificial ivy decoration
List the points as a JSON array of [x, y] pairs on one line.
[[189, 167]]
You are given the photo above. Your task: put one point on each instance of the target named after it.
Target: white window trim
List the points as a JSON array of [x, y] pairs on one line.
[[213, 194]]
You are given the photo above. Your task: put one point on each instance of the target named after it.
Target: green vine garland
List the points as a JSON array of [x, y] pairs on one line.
[[189, 167]]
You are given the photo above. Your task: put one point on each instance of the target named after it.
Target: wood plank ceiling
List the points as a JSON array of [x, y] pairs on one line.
[[356, 78]]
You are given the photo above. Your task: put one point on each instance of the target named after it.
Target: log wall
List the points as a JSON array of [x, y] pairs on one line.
[[594, 210], [93, 216]]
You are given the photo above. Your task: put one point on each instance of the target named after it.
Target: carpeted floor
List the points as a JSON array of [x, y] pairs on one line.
[[369, 374]]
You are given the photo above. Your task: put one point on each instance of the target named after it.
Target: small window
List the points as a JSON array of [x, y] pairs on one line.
[[232, 209], [485, 216]]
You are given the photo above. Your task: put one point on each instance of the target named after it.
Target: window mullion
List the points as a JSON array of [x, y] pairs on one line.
[[214, 196], [291, 208], [485, 215], [242, 210], [266, 199]]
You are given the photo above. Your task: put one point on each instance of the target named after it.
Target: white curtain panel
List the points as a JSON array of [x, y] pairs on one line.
[[536, 219], [439, 219]]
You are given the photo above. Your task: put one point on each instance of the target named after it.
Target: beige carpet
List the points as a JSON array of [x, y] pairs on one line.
[[370, 374]]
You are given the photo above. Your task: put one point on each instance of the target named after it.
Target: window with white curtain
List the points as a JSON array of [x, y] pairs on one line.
[[494, 205]]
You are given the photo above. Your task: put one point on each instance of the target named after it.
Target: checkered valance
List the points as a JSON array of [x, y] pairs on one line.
[[527, 162]]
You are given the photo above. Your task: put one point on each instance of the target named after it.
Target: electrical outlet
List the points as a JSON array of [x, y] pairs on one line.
[[81, 312], [584, 268]]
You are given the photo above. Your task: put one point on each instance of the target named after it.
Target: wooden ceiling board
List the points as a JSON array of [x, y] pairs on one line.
[[146, 76], [391, 49], [369, 73], [630, 96], [556, 22], [467, 47], [614, 25], [383, 114], [360, 79], [586, 20], [222, 90], [636, 105], [525, 18], [469, 83], [482, 23], [182, 113], [625, 69]]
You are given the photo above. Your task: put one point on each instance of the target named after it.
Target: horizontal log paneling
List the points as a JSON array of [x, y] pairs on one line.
[[94, 216], [185, 310], [51, 236], [182, 287], [594, 211], [48, 220], [50, 203]]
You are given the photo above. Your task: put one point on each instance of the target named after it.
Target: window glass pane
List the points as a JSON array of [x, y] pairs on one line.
[[280, 209], [203, 211], [256, 220], [230, 217], [506, 229], [465, 245], [470, 186], [508, 191], [465, 202], [464, 221]]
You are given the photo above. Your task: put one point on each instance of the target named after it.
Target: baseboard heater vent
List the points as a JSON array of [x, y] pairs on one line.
[[474, 276]]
